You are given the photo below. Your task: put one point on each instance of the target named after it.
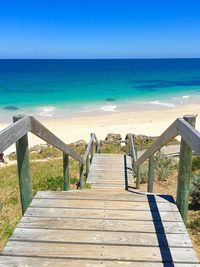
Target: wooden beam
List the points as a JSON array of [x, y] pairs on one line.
[[38, 129], [150, 174], [14, 132], [169, 134], [88, 149], [185, 168], [66, 174], [81, 175], [25, 186], [190, 135]]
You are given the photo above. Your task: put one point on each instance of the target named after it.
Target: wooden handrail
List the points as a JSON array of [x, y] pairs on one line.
[[190, 135], [41, 131], [178, 127], [133, 153], [14, 132], [190, 140], [89, 146], [88, 156], [17, 130], [168, 135], [17, 133]]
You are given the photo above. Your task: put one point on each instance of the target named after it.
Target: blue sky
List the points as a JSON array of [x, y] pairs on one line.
[[99, 28]]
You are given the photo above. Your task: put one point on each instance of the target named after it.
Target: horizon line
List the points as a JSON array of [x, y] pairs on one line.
[[145, 58]]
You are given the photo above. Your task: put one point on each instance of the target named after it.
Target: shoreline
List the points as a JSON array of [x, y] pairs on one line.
[[112, 105], [147, 122]]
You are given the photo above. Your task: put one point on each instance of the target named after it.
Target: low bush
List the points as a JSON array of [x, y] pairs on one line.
[[143, 174], [195, 191], [164, 166], [195, 163]]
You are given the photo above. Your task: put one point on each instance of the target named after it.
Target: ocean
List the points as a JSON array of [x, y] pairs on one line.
[[65, 88]]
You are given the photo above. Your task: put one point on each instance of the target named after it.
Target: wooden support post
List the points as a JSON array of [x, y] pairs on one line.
[[87, 163], [23, 164], [137, 172], [81, 173], [92, 150], [96, 147], [100, 147], [150, 174], [184, 174], [66, 172]]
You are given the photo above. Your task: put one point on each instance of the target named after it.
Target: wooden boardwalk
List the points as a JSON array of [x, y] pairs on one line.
[[103, 226]]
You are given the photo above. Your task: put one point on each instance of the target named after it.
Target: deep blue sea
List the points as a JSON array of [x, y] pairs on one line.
[[48, 88]]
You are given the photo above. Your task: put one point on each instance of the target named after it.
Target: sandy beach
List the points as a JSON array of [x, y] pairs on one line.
[[151, 122]]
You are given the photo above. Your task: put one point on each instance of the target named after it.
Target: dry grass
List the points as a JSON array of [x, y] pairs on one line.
[[48, 175], [45, 176]]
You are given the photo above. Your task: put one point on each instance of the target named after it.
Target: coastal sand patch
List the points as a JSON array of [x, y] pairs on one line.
[[151, 123]]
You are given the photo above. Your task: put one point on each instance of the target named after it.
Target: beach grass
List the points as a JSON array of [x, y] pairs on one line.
[[47, 174]]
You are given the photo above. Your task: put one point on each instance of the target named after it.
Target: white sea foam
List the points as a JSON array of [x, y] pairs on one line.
[[165, 104], [185, 96], [46, 111], [109, 108]]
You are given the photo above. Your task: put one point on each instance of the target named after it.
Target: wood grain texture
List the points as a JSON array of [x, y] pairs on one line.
[[98, 252], [14, 132], [104, 226], [41, 131], [101, 237], [97, 224], [11, 261], [184, 174], [171, 132], [190, 135], [66, 174], [23, 164]]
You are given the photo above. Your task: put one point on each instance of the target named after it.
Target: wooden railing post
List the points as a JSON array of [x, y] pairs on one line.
[[23, 164], [150, 174], [184, 174], [81, 173], [66, 172], [100, 147], [137, 171], [92, 150], [87, 163]]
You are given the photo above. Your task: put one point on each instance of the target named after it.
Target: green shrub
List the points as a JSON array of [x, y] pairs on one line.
[[143, 174], [195, 163], [195, 191], [164, 166], [195, 224]]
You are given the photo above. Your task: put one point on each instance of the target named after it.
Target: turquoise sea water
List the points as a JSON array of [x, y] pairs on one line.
[[63, 87]]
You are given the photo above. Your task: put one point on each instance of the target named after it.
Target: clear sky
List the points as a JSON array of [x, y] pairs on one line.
[[99, 28]]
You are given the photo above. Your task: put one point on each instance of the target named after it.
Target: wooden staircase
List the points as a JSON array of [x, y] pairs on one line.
[[109, 225]]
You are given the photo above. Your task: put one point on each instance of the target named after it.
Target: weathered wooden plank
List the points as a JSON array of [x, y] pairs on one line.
[[65, 203], [111, 214], [9, 261], [119, 196], [81, 176], [170, 133], [14, 132], [88, 149], [41, 131], [99, 225], [190, 135], [184, 174], [25, 185], [102, 237], [66, 174], [150, 174], [106, 252]]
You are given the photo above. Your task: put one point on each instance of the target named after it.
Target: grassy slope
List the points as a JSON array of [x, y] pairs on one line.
[[47, 175]]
